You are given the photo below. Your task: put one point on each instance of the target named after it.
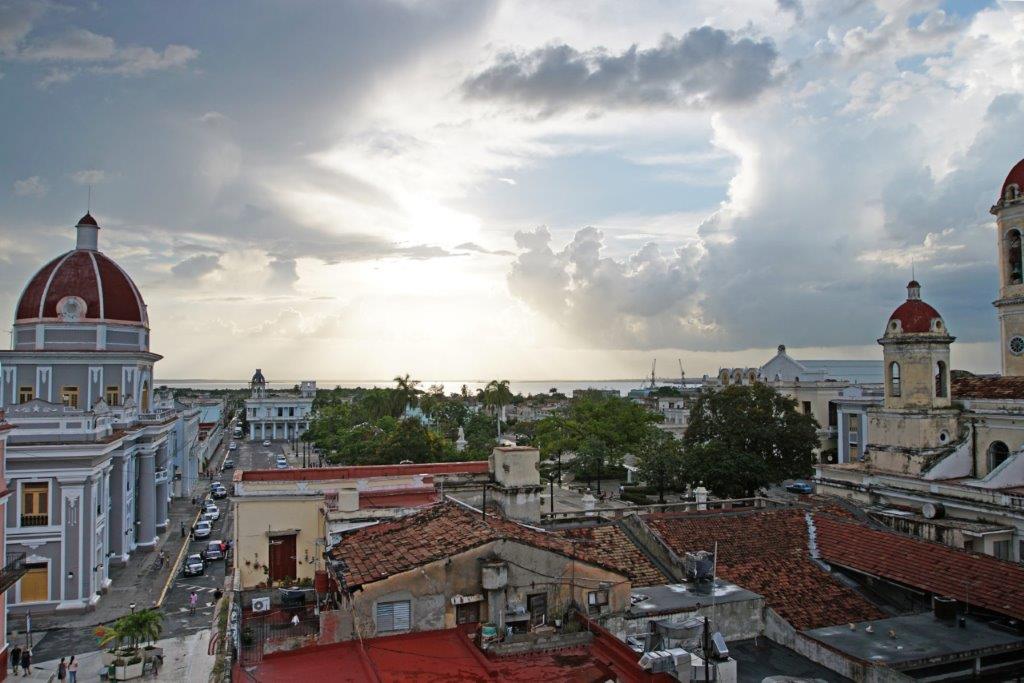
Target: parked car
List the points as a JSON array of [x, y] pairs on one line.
[[211, 509], [266, 442], [203, 529], [800, 487], [229, 464], [232, 446], [220, 492], [281, 465], [194, 566], [214, 551], [208, 517]]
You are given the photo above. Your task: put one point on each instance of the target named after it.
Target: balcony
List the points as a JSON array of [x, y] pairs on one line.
[[162, 476], [13, 570], [35, 520]]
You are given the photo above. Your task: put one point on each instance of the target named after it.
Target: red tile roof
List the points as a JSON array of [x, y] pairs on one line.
[[767, 552], [988, 387], [431, 656], [613, 547], [992, 584], [374, 553], [365, 471]]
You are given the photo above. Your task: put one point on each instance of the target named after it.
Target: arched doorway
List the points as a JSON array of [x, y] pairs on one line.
[[998, 452]]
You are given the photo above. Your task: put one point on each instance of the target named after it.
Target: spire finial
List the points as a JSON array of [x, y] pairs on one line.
[[88, 204]]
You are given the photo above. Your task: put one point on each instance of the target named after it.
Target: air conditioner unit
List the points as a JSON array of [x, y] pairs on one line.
[[261, 604]]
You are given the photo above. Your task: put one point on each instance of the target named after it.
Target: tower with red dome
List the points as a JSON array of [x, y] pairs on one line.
[[916, 419], [1009, 213], [89, 464]]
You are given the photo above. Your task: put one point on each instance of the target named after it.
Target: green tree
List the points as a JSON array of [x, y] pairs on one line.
[[591, 459], [728, 473], [498, 395], [754, 430], [407, 391], [659, 460]]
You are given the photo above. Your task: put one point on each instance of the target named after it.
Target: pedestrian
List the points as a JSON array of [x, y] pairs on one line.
[[193, 599], [193, 502], [156, 662], [295, 620], [183, 529], [15, 659], [26, 662], [62, 670], [73, 670]]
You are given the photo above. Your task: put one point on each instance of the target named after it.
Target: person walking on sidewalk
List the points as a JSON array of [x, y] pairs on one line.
[[62, 670], [26, 662], [193, 599], [15, 659], [73, 670]]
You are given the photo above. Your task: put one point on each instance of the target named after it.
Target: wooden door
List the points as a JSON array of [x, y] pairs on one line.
[[537, 605], [33, 583], [282, 557]]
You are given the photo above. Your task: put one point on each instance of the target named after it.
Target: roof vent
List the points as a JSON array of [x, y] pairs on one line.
[[699, 565]]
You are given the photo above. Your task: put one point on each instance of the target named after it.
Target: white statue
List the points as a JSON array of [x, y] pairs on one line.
[[460, 443]]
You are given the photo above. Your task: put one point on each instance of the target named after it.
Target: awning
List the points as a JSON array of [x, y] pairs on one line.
[[463, 599]]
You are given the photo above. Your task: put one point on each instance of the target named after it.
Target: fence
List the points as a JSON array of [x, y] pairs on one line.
[[263, 633]]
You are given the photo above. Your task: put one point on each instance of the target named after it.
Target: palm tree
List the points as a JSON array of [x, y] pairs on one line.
[[498, 394], [150, 625], [406, 389]]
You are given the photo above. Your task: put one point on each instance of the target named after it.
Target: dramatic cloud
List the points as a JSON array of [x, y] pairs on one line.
[[195, 267], [706, 66], [645, 301], [30, 187]]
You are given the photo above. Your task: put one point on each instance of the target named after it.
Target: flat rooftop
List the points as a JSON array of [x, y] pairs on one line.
[[921, 639], [759, 660], [363, 471], [687, 597]]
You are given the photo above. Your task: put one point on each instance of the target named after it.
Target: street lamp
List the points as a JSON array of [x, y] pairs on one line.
[[131, 606]]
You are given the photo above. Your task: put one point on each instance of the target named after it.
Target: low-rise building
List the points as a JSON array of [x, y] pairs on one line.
[[278, 414]]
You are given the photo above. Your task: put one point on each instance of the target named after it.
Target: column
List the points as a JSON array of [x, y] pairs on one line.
[[862, 429], [117, 489], [273, 429], [252, 431], [843, 439], [263, 430], [146, 500], [163, 460]]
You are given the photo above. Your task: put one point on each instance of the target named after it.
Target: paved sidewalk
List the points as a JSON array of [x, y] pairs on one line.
[[185, 659]]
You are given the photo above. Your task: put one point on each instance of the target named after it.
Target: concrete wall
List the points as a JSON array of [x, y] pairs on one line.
[[737, 620], [256, 516], [430, 588], [917, 363]]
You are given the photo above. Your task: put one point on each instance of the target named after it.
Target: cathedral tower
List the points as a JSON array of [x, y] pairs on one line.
[[1009, 213]]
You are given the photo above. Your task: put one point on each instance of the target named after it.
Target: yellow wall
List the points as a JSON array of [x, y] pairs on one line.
[[256, 516]]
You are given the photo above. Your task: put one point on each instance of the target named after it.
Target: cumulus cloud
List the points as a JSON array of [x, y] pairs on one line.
[[77, 50], [89, 176], [705, 66], [794, 6], [195, 267], [648, 300], [30, 187]]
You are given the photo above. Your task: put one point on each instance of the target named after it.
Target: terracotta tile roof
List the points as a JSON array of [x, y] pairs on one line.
[[993, 584], [766, 551], [374, 553], [609, 544], [988, 387]]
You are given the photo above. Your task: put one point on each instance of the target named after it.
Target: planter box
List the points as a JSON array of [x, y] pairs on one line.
[[127, 673], [151, 652]]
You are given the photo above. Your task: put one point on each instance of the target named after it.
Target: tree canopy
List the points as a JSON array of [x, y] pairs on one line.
[[741, 438]]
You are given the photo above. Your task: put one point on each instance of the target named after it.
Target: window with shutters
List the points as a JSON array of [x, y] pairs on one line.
[[393, 616], [69, 396], [35, 503], [596, 601], [26, 394], [467, 613], [1001, 549], [113, 396]]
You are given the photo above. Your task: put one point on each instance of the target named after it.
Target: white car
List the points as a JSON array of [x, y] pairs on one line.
[[208, 517], [267, 442], [213, 510], [202, 529], [232, 446]]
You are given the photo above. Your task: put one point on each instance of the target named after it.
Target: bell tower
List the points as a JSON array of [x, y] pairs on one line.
[[1009, 213], [258, 384]]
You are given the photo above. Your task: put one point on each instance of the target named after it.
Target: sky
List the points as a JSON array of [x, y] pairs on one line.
[[529, 190]]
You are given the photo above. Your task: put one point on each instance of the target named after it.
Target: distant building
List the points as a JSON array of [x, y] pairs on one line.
[[278, 415]]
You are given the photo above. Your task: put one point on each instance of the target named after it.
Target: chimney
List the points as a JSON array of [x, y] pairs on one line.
[[515, 471]]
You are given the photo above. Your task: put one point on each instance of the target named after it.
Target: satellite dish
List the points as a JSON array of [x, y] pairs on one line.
[[261, 604]]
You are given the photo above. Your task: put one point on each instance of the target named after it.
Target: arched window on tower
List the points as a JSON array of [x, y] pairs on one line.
[[1013, 255], [894, 379], [941, 380], [997, 453]]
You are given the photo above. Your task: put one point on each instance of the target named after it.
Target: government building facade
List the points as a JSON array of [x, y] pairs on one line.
[[91, 455]]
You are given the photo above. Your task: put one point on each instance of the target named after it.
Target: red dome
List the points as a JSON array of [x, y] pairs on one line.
[[108, 292], [1014, 177], [914, 316]]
